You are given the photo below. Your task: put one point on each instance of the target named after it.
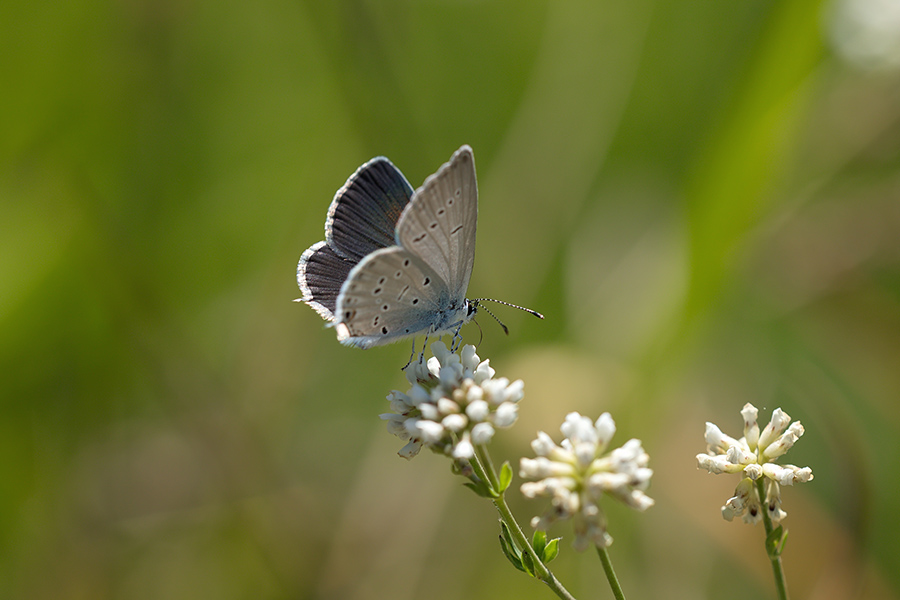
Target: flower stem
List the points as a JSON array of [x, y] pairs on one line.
[[610, 573], [484, 468], [774, 553]]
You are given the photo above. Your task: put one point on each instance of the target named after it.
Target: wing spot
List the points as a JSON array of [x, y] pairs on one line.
[[458, 192], [376, 291], [415, 301], [420, 238], [433, 225], [456, 229], [406, 262], [398, 274], [375, 321], [441, 212], [403, 292], [382, 280], [427, 281], [449, 201], [385, 308], [384, 330]]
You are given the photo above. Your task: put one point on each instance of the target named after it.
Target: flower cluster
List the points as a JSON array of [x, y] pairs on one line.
[[577, 473], [753, 456], [454, 404]]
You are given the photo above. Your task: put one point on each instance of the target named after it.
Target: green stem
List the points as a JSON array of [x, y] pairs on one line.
[[610, 573], [774, 554], [484, 468]]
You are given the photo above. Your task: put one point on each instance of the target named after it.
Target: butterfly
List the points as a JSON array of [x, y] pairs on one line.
[[396, 263]]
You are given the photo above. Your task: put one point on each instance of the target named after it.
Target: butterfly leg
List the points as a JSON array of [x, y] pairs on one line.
[[424, 347], [457, 339], [411, 354]]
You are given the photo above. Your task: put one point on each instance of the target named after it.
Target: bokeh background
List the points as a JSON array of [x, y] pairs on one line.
[[703, 198]]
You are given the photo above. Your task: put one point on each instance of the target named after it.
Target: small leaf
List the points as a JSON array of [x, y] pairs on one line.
[[481, 489], [775, 542], [506, 476], [528, 563], [551, 551], [507, 535], [539, 541], [510, 555]]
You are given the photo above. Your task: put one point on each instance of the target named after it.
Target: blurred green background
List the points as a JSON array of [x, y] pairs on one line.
[[703, 198]]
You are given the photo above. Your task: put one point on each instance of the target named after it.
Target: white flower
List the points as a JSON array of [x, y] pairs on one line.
[[453, 404], [576, 474], [753, 457]]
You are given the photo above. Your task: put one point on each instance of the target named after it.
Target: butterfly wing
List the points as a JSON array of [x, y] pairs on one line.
[[438, 225], [389, 295], [363, 215], [320, 275], [361, 219]]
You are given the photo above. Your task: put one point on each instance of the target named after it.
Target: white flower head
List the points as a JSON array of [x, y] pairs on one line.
[[753, 457], [453, 404], [576, 473]]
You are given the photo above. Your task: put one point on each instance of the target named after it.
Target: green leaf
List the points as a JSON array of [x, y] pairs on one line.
[[511, 554], [539, 541], [775, 542], [481, 489], [507, 535], [506, 476], [528, 563], [551, 551]]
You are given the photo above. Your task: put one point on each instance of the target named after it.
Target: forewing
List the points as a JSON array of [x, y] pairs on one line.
[[388, 296], [438, 225], [364, 213], [320, 275]]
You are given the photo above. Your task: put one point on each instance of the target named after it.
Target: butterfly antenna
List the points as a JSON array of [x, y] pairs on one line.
[[485, 309], [528, 310]]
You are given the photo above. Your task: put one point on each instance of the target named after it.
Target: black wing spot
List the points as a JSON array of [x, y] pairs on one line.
[[441, 212], [398, 274], [382, 280], [433, 225], [376, 291], [458, 192], [420, 238], [403, 292], [384, 330], [375, 321], [450, 200], [456, 229], [406, 262], [427, 281], [385, 307], [415, 301]]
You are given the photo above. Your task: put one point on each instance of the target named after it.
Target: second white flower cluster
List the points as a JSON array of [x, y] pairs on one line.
[[454, 403]]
